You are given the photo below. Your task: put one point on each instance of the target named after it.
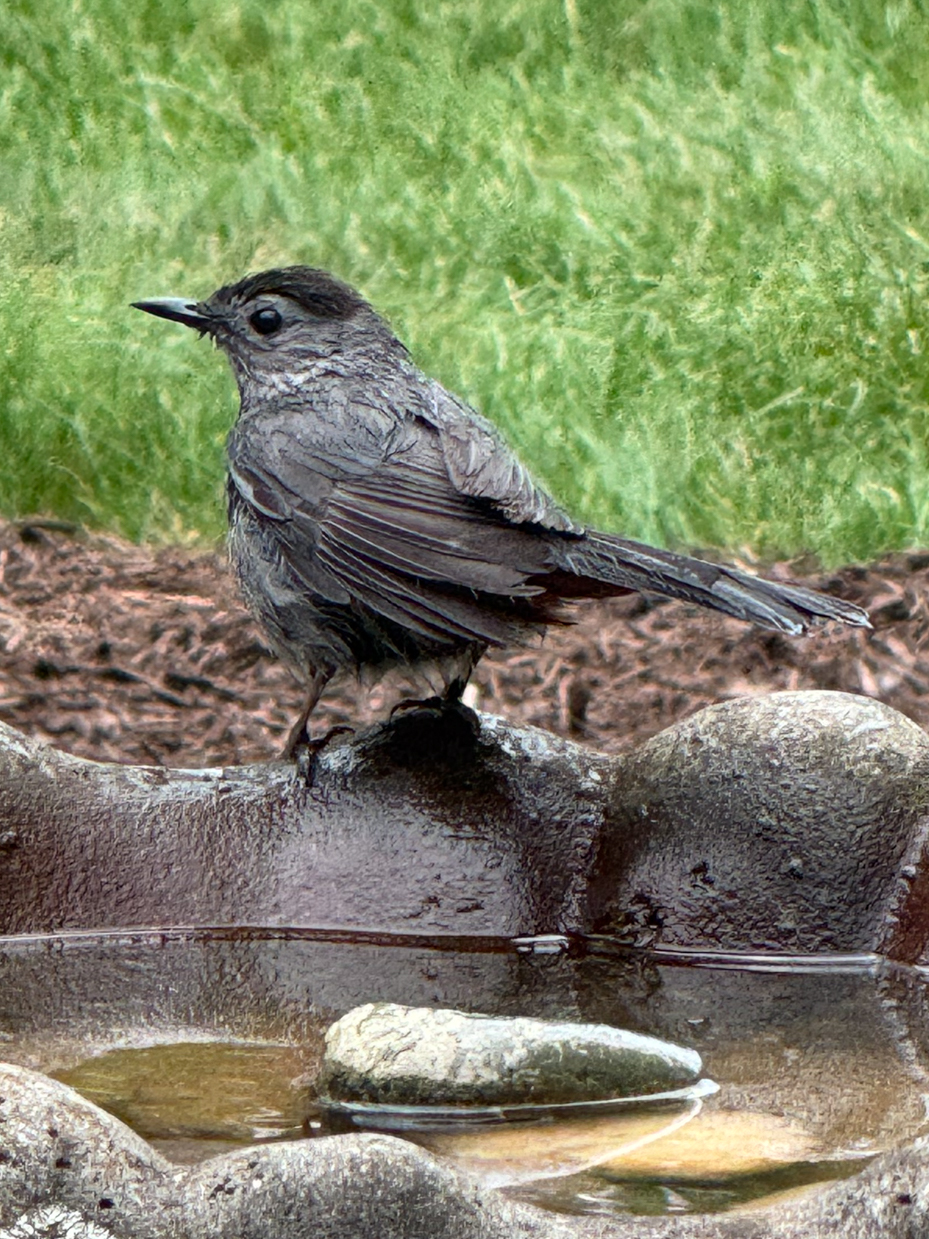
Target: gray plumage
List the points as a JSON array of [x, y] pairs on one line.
[[376, 519]]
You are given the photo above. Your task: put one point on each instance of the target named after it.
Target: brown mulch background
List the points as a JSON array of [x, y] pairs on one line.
[[123, 653]]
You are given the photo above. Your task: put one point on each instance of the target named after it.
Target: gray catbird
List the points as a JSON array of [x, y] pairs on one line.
[[375, 519]]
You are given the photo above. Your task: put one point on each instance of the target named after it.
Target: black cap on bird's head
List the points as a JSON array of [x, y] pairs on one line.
[[317, 292], [285, 312]]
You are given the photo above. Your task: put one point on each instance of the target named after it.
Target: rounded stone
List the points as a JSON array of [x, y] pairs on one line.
[[782, 823], [389, 1054]]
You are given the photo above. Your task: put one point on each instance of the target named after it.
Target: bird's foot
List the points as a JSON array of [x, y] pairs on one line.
[[430, 705], [305, 751], [438, 729]]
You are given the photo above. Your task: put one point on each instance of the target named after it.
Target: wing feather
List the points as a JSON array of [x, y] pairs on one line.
[[399, 538]]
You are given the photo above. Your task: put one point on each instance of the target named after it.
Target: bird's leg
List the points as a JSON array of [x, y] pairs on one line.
[[450, 698], [439, 729], [454, 690], [300, 748], [299, 736]]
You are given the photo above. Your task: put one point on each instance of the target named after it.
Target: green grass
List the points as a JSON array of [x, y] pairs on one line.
[[678, 251]]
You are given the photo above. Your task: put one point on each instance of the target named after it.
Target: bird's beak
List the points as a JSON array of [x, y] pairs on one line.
[[178, 310]]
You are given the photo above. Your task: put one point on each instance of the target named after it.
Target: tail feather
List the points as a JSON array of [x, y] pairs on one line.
[[631, 565]]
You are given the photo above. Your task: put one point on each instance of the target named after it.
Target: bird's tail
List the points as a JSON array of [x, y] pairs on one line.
[[609, 561]]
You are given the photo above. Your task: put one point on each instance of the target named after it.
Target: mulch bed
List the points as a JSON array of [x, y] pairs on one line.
[[128, 654]]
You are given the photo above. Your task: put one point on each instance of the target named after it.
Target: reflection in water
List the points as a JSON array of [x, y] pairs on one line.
[[518, 1154], [596, 1193], [821, 1062]]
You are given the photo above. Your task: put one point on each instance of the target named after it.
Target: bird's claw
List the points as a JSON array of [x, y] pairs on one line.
[[306, 752], [432, 704]]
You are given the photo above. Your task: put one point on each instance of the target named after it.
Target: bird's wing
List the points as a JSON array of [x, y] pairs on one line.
[[398, 536], [482, 465]]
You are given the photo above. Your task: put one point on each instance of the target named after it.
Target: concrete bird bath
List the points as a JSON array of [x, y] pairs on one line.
[[751, 883]]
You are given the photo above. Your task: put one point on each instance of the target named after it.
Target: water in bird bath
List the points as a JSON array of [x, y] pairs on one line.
[[206, 1039]]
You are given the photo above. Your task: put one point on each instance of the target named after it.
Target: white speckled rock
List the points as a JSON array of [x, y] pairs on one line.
[[390, 1054]]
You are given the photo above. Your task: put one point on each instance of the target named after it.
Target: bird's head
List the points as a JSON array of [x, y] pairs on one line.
[[277, 322]]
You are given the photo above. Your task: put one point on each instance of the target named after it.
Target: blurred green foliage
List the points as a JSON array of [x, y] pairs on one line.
[[679, 251]]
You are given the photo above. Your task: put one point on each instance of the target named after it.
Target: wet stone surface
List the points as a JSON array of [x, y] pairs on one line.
[[796, 822], [391, 1054]]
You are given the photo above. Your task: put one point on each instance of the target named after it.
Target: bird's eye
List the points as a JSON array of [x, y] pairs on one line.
[[266, 321]]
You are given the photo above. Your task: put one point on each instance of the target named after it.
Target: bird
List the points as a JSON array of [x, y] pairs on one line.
[[376, 520]]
